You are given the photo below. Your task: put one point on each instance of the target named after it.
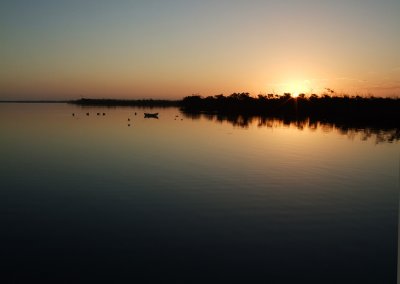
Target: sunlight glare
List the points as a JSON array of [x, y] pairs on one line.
[[295, 88]]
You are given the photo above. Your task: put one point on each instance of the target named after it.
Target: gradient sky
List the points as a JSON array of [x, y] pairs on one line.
[[52, 49]]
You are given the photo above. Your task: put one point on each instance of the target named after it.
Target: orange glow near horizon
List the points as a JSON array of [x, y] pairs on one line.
[[170, 49], [298, 87]]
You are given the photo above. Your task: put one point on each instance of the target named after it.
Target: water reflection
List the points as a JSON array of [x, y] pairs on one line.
[[97, 201], [387, 132]]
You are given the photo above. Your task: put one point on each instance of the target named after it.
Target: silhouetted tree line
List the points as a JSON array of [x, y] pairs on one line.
[[117, 102], [371, 116], [364, 116], [357, 110], [338, 108]]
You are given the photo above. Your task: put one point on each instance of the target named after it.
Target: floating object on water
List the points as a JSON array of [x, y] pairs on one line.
[[129, 119], [153, 115], [104, 113], [135, 113], [87, 114], [98, 113], [73, 114], [129, 124]]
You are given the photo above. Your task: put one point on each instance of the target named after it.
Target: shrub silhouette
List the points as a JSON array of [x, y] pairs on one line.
[[344, 112], [362, 112]]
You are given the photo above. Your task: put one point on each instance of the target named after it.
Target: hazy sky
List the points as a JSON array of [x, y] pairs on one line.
[[169, 49]]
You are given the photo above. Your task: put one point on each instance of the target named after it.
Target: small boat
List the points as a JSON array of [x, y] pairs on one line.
[[148, 115]]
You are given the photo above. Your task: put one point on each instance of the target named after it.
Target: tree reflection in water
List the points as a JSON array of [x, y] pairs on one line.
[[351, 128]]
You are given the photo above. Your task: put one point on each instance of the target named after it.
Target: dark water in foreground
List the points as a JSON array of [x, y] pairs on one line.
[[91, 199]]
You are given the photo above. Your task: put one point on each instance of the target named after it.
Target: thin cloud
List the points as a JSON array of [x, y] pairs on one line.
[[351, 79], [385, 88]]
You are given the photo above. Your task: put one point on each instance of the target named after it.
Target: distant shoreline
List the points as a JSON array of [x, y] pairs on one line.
[[372, 114], [122, 102], [32, 102], [370, 110]]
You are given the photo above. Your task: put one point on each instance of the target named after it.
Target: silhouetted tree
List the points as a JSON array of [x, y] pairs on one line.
[[301, 96]]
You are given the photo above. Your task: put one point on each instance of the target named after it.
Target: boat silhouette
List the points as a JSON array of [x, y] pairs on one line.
[[151, 115]]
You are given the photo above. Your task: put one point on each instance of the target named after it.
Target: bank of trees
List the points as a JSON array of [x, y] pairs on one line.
[[320, 107]]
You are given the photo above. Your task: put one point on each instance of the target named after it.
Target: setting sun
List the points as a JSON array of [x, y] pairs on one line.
[[295, 88]]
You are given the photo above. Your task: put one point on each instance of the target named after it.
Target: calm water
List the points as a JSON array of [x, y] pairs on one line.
[[90, 198]]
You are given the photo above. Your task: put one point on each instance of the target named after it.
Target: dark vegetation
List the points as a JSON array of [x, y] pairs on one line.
[[358, 110], [117, 103], [374, 116]]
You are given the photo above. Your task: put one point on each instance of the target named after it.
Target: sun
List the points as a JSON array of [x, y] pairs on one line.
[[295, 88]]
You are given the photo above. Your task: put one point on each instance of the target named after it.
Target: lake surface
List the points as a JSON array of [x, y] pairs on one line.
[[193, 199]]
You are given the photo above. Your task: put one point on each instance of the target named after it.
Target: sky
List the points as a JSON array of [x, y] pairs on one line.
[[52, 49]]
